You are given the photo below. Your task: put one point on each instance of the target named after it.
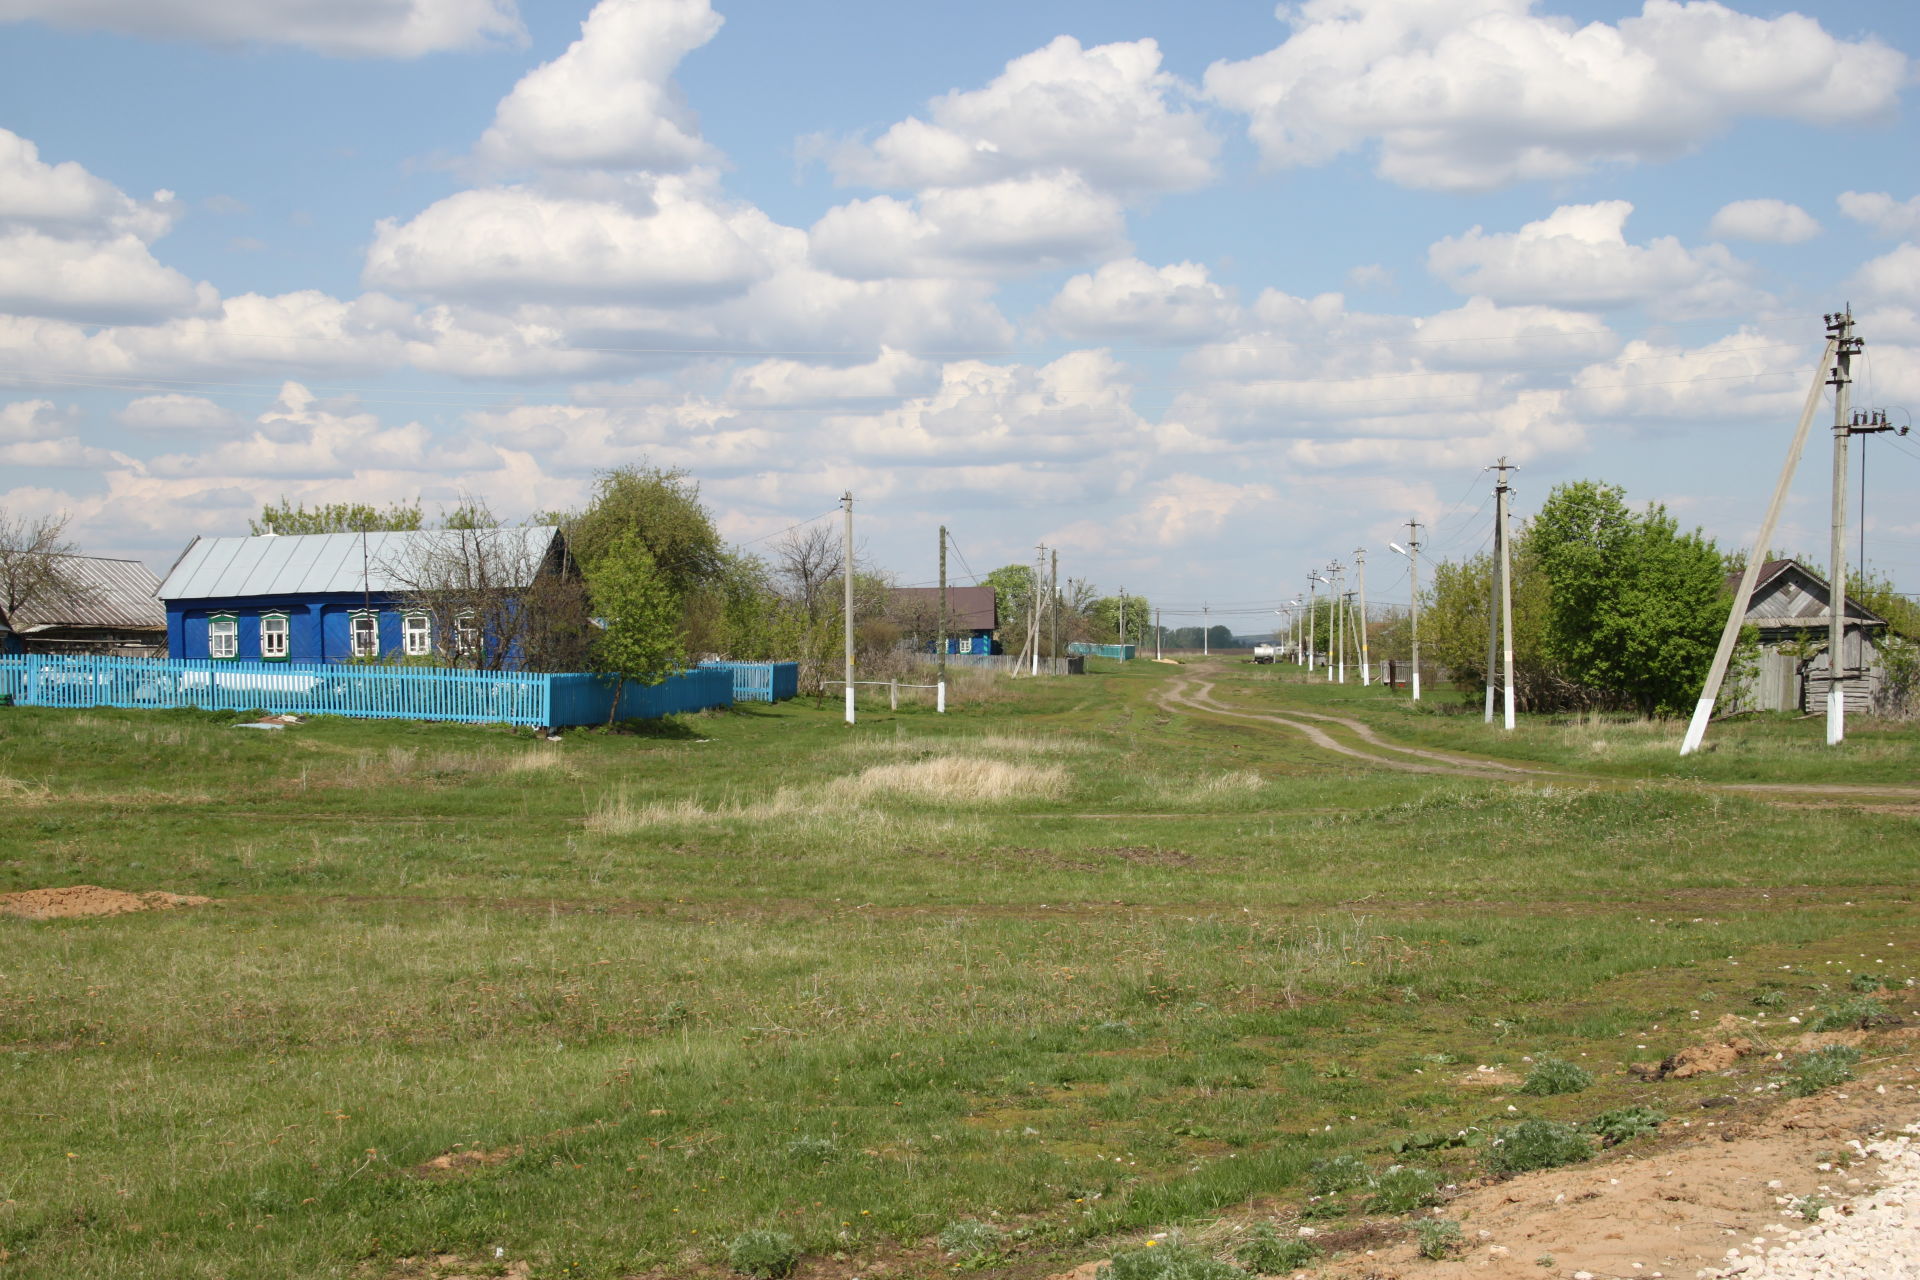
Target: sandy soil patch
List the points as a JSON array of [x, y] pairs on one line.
[[72, 901]]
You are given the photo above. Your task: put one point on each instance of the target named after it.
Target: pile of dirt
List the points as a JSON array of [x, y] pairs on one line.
[[78, 900], [1695, 1060]]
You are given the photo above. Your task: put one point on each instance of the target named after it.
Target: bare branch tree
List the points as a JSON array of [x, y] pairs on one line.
[[807, 561], [493, 597], [36, 570]]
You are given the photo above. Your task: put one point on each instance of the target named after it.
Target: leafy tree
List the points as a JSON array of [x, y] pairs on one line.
[[642, 642], [661, 508], [1103, 617], [1636, 606], [337, 517]]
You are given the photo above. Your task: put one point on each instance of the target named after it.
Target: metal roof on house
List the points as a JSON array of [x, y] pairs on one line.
[[329, 563], [1787, 593], [108, 593], [968, 608]]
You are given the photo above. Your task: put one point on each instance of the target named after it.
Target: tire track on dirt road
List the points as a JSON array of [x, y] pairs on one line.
[[1441, 763], [1203, 700]]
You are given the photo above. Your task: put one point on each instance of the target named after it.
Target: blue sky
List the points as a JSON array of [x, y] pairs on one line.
[[1204, 297]]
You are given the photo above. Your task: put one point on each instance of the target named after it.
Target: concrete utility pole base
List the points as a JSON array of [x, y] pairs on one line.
[[940, 698], [849, 704]]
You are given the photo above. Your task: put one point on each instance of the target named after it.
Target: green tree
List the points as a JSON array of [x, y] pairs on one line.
[[1636, 606], [660, 507], [1104, 614], [336, 517], [642, 642]]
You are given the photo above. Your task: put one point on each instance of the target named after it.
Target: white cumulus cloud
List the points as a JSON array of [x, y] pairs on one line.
[[1130, 299], [1579, 257], [609, 101], [1022, 224], [1477, 94], [1882, 212], [1109, 113], [363, 28], [1765, 221]]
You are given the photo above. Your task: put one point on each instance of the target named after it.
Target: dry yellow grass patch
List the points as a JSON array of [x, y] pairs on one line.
[[956, 779], [620, 815], [18, 792], [1234, 785]]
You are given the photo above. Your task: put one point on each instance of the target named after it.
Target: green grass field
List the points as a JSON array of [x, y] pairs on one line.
[[1068, 962]]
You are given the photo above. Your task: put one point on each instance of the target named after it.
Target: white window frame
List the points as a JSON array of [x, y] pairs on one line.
[[354, 620], [416, 635], [466, 636], [223, 637], [284, 633]]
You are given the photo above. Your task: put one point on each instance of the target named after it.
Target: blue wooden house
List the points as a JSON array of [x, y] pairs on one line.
[[350, 597]]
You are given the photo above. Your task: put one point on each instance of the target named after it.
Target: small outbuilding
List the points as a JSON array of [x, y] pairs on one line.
[[973, 616], [434, 596], [1790, 610], [90, 605]]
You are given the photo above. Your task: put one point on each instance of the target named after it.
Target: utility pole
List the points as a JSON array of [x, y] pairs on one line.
[[1313, 602], [1206, 630], [1039, 603], [1737, 616], [846, 555], [1337, 628], [941, 679], [1504, 567], [1123, 616], [1053, 604], [1841, 327], [1360, 569], [1156, 635], [1413, 569]]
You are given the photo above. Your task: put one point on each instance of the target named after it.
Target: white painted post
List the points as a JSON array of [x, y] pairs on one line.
[[940, 698]]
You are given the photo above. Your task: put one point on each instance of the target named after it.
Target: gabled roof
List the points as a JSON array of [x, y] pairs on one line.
[[1786, 593], [108, 593], [334, 563], [968, 608]]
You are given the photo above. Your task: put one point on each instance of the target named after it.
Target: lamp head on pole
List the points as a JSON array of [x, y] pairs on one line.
[[1397, 547]]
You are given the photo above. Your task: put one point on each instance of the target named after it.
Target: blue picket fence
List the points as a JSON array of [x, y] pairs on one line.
[[410, 693], [760, 681], [1124, 652], [587, 699]]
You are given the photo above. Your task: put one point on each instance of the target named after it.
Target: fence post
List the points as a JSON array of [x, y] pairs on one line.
[[940, 698], [893, 694]]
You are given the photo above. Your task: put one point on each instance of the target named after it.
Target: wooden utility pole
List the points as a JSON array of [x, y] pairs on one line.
[[846, 552], [1360, 570], [1053, 604], [942, 663], [1413, 569], [1737, 616], [1846, 346], [1503, 538]]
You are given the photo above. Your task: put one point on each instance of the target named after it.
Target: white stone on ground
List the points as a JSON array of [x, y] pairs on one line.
[[1875, 1235]]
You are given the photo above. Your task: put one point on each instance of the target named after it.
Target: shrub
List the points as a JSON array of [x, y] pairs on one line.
[[970, 1239], [1867, 983], [1336, 1174], [1167, 1262], [1439, 1238], [1266, 1252], [1858, 1013], [1771, 1000], [765, 1255], [1821, 1069], [1555, 1075], [1623, 1124], [1537, 1144], [813, 1150], [1402, 1189]]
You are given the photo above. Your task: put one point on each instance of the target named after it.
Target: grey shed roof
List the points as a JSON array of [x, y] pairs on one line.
[[323, 563], [112, 593]]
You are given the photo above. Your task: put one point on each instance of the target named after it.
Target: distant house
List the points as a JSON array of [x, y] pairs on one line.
[[428, 595], [98, 606], [1790, 610], [972, 615]]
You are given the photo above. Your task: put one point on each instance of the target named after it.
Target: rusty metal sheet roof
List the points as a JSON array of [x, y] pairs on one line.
[[110, 593], [327, 563]]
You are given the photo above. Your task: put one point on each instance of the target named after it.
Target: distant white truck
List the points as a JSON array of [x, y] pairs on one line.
[[1264, 653]]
